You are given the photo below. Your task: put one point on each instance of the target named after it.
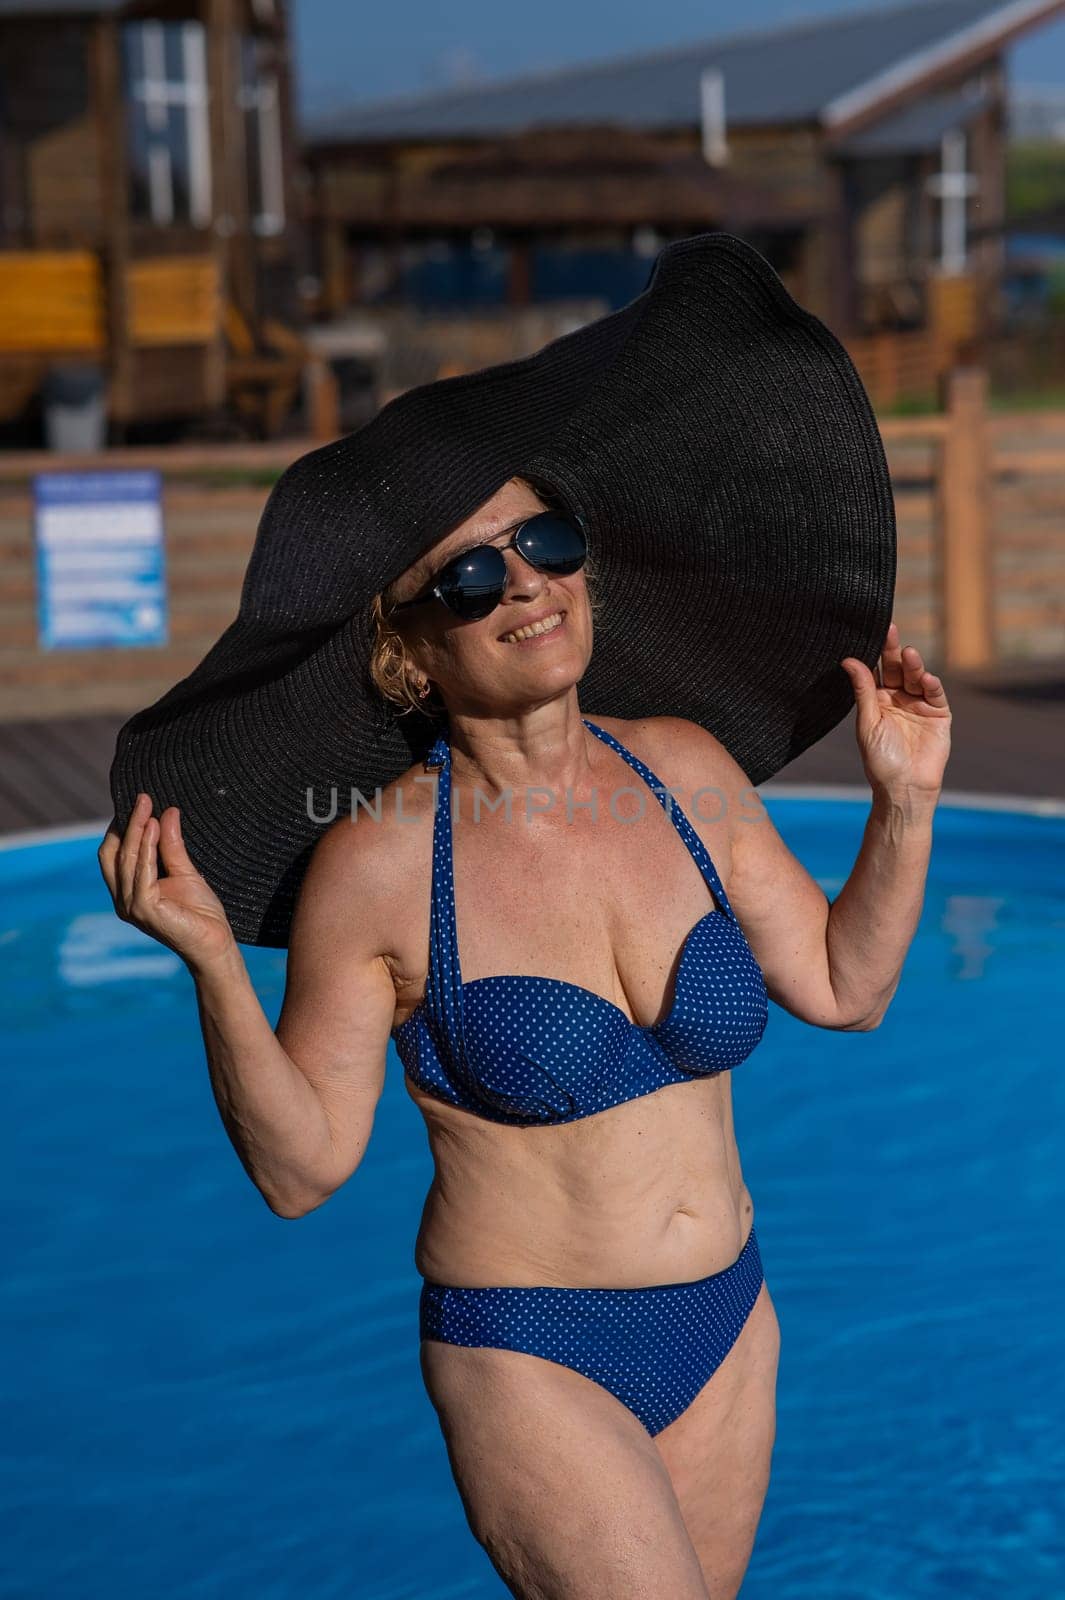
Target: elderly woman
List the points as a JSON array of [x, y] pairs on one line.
[[571, 936]]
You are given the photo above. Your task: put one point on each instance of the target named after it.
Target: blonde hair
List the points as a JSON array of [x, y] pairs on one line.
[[392, 672]]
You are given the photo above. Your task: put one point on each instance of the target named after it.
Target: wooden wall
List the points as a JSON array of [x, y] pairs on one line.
[[858, 276], [896, 221], [50, 134], [210, 529], [55, 305], [987, 160], [80, 278]]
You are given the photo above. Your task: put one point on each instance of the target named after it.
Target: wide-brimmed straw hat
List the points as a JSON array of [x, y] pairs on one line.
[[718, 446]]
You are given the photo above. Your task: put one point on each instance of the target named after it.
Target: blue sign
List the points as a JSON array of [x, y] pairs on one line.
[[101, 576]]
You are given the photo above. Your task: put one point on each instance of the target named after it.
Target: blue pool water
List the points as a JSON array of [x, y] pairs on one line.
[[203, 1400]]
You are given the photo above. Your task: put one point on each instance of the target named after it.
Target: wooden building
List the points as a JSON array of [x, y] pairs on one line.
[[853, 151], [146, 205]]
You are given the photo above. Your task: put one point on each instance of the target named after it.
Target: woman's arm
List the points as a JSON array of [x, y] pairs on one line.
[[838, 964], [298, 1103], [833, 964], [872, 921], [276, 1119]]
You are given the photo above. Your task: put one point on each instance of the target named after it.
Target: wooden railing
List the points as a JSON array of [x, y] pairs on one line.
[[173, 300], [980, 502], [163, 331], [51, 301], [896, 366], [55, 301]]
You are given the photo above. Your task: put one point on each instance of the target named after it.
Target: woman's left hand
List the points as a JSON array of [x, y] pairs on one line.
[[903, 724]]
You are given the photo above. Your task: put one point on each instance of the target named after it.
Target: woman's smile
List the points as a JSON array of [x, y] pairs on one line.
[[544, 627]]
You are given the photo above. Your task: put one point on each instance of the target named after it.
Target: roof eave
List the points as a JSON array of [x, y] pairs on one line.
[[340, 143], [925, 69]]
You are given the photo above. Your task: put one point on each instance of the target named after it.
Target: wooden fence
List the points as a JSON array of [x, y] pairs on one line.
[[980, 501], [898, 366]]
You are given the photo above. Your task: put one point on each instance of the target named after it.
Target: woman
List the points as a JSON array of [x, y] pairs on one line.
[[597, 1335]]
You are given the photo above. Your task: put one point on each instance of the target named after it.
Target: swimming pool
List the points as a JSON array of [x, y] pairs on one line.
[[203, 1400]]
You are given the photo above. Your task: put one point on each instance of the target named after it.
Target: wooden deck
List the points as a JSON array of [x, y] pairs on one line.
[[1009, 738], [55, 773]]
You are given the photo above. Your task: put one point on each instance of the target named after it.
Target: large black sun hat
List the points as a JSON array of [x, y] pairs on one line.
[[717, 443]]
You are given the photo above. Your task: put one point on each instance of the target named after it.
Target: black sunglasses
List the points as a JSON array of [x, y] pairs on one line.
[[472, 584]]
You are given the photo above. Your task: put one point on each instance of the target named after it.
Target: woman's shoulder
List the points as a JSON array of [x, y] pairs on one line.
[[655, 738], [691, 762], [366, 871], [381, 839]]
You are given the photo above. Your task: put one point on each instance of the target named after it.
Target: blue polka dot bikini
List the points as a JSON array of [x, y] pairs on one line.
[[538, 1051]]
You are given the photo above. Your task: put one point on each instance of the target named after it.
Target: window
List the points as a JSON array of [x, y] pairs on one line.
[[576, 270], [455, 272], [166, 95], [261, 106]]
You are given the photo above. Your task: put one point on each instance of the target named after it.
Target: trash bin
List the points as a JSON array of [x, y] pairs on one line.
[[75, 414]]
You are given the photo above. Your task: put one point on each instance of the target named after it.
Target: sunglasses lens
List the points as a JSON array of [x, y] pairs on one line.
[[553, 544], [473, 584]]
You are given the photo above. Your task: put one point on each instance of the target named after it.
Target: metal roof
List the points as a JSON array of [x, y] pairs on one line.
[[784, 74], [57, 8], [916, 128]]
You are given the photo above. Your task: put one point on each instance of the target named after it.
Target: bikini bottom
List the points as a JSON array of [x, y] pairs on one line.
[[653, 1348]]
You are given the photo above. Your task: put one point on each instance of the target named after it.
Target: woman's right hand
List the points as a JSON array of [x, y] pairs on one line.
[[181, 910]]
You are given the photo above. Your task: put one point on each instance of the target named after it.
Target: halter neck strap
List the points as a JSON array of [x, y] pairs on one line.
[[439, 757], [675, 814]]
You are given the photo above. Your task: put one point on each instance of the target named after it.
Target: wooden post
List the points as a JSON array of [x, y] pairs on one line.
[[321, 394], [213, 13], [519, 274], [842, 276], [243, 253], [336, 296], [108, 106], [964, 515], [885, 348]]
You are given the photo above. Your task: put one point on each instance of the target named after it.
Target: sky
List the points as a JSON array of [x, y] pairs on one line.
[[348, 51]]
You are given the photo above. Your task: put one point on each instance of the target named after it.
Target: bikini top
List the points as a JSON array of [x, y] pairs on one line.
[[528, 1050]]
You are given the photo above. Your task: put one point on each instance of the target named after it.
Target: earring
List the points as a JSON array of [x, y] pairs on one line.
[[423, 688]]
